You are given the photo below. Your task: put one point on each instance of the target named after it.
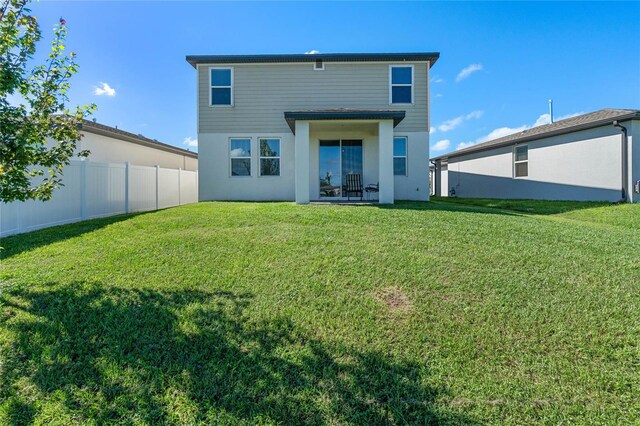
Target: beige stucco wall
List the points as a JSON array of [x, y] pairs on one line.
[[111, 150]]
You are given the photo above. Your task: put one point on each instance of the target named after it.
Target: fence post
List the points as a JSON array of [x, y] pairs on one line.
[[157, 187], [126, 187], [83, 189], [179, 186]]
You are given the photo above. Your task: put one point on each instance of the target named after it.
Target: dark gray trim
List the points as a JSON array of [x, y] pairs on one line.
[[431, 57], [541, 135], [292, 116], [112, 132]]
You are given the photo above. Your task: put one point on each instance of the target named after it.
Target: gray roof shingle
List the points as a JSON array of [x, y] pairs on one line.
[[580, 122], [101, 129]]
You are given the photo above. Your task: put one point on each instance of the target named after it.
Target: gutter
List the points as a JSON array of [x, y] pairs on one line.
[[435, 176], [625, 159]]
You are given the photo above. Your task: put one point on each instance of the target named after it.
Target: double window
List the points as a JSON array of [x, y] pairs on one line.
[[221, 86], [240, 156], [400, 156], [401, 84], [521, 161]]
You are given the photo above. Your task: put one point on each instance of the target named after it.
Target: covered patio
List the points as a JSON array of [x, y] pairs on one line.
[[331, 144]]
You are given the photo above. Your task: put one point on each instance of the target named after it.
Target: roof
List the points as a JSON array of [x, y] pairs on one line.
[[431, 57], [101, 129], [569, 125], [343, 114]]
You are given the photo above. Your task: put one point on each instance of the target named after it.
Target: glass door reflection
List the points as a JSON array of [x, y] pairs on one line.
[[337, 159]]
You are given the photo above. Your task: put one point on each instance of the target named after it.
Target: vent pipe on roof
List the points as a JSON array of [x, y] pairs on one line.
[[551, 110]]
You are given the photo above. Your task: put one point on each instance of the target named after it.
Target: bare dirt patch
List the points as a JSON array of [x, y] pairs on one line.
[[394, 299]]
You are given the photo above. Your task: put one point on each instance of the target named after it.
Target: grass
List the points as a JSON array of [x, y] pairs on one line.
[[449, 312]]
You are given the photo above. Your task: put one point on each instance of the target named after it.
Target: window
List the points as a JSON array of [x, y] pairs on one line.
[[240, 153], [401, 87], [221, 86], [269, 157], [521, 161], [318, 65], [400, 156]]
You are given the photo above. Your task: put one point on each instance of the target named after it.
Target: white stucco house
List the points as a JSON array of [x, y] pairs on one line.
[[591, 157], [293, 127], [108, 144]]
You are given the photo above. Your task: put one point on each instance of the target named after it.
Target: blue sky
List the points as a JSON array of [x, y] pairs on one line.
[[585, 56]]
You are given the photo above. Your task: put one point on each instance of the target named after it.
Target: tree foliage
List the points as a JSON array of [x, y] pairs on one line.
[[38, 136]]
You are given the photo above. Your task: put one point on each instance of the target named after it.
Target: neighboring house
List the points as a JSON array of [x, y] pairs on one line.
[[591, 157], [112, 145], [292, 127]]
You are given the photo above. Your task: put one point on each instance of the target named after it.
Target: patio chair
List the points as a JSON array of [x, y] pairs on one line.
[[354, 185], [372, 188]]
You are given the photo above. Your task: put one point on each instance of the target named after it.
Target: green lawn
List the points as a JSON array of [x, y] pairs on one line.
[[449, 312]]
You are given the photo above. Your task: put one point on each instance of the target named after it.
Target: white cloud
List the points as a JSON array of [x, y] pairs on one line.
[[467, 71], [432, 130], [456, 122], [463, 145], [474, 114], [190, 142], [441, 145], [501, 132], [312, 52], [546, 118], [543, 119], [439, 95], [239, 152], [437, 79], [105, 90]]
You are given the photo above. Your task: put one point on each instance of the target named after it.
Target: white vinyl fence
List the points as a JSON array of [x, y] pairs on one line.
[[94, 190]]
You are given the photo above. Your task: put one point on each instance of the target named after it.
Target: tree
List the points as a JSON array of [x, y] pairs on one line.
[[39, 136]]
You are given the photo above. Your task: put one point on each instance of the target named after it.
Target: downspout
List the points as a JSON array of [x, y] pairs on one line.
[[435, 177], [625, 160]]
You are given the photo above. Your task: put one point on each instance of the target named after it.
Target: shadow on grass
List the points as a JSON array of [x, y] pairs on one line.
[[112, 355], [16, 244], [533, 207], [427, 206]]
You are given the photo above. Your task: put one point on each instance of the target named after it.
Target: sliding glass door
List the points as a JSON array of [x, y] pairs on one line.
[[338, 158]]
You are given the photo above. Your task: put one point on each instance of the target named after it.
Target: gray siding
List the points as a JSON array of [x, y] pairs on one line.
[[583, 166], [262, 92]]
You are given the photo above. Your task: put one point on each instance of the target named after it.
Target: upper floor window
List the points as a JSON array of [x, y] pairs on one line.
[[269, 157], [400, 156], [401, 84], [221, 86], [521, 161]]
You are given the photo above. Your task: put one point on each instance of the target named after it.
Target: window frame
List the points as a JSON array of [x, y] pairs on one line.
[[391, 84], [405, 156], [250, 157], [279, 157], [315, 65], [211, 87], [515, 161]]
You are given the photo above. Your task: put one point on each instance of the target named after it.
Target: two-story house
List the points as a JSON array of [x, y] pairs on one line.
[[293, 127]]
